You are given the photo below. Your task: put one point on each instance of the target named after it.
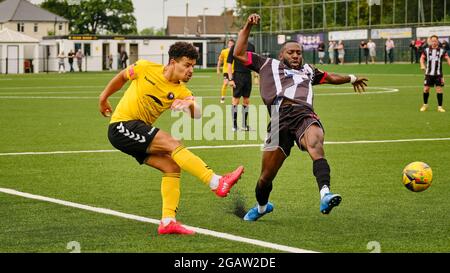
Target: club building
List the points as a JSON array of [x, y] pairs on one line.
[[102, 52], [31, 38]]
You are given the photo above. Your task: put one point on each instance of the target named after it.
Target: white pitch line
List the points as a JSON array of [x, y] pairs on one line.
[[389, 90], [203, 231], [237, 146]]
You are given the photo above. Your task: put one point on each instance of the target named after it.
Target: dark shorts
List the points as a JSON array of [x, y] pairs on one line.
[[288, 127], [132, 137], [243, 83], [433, 80], [225, 76]]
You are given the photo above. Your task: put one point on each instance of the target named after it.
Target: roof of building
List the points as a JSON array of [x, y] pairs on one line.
[[22, 11], [11, 36], [214, 25]]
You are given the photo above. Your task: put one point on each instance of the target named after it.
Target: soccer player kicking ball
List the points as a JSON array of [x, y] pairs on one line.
[[433, 56], [286, 88], [154, 89]]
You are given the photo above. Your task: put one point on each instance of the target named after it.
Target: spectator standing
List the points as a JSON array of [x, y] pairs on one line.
[[110, 61], [79, 56], [371, 46], [321, 51], [419, 48], [363, 47], [70, 57], [331, 46], [123, 58], [390, 49], [341, 51], [61, 64]]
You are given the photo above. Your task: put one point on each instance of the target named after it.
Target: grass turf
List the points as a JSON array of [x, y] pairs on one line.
[[52, 112]]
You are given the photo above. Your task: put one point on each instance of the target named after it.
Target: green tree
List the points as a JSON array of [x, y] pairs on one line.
[[95, 16], [294, 15]]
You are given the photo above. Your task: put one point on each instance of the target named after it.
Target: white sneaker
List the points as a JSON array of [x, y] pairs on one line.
[[424, 108], [440, 109]]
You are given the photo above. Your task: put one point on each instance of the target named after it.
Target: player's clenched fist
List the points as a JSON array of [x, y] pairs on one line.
[[253, 19]]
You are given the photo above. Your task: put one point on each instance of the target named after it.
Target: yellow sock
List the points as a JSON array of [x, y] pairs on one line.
[[170, 192], [192, 164], [223, 92]]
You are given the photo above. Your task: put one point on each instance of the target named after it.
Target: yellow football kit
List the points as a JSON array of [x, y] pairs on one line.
[[224, 56], [149, 94]]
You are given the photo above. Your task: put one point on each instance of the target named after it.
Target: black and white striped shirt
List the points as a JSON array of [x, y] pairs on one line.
[[277, 80], [434, 58]]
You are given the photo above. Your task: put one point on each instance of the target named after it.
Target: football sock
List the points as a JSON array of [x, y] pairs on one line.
[[223, 91], [214, 182], [321, 171], [440, 98], [192, 164], [262, 209], [167, 220], [262, 193], [234, 115], [170, 192], [244, 115], [425, 97], [324, 191]]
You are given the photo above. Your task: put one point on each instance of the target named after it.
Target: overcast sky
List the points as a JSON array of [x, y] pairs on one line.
[[149, 13]]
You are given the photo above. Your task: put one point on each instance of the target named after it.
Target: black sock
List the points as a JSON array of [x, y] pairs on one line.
[[234, 115], [244, 115], [440, 98], [262, 191], [425, 97], [321, 171]]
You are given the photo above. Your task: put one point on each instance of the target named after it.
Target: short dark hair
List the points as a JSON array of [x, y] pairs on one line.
[[288, 42], [434, 36], [183, 49]]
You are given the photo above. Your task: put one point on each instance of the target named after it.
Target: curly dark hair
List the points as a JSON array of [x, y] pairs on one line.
[[183, 49]]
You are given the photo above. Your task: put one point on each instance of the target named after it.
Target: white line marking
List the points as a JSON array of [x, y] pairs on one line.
[[385, 90], [156, 222], [236, 146]]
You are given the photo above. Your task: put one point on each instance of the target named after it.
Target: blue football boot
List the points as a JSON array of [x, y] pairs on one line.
[[253, 214], [329, 201]]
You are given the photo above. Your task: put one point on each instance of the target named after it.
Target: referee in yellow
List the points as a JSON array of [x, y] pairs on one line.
[[154, 89]]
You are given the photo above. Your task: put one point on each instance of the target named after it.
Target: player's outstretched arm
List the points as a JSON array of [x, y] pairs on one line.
[[240, 49], [113, 86], [357, 82]]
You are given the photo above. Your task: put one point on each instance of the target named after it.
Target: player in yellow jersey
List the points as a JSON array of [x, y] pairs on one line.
[[222, 61], [154, 89]]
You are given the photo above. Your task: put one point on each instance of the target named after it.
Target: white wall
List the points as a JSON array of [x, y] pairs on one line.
[[152, 50]]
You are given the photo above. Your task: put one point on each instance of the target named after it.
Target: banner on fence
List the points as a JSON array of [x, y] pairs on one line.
[[310, 41], [360, 34], [423, 32], [393, 33]]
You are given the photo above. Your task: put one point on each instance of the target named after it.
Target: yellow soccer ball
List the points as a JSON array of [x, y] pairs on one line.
[[417, 176]]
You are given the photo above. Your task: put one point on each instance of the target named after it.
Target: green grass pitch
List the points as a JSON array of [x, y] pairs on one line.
[[58, 112]]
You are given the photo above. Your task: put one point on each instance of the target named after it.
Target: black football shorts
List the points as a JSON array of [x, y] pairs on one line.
[[288, 127], [433, 80], [132, 137], [243, 82]]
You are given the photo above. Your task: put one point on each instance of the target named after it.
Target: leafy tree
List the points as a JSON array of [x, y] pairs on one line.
[[294, 15], [95, 16]]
